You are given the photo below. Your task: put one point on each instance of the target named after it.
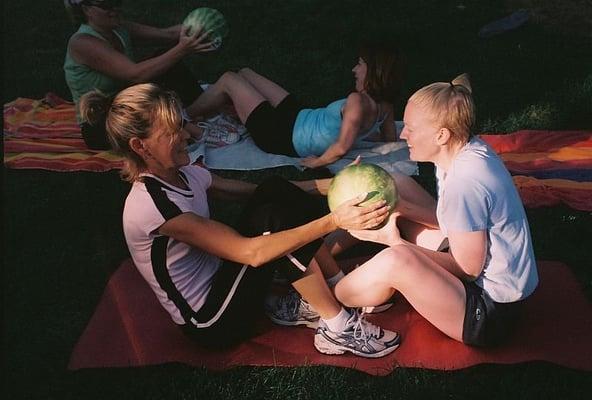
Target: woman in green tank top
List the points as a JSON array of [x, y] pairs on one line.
[[100, 57]]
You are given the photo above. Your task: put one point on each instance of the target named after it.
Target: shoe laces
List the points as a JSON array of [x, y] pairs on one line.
[[364, 329]]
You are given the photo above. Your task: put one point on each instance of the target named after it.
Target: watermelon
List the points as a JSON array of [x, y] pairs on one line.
[[212, 22], [356, 179]]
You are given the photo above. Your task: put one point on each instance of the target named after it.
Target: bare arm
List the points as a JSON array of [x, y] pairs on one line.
[[99, 55], [350, 126], [388, 132], [167, 35], [223, 241], [465, 259], [230, 189]]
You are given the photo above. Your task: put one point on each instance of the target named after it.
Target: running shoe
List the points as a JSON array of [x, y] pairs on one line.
[[359, 337], [216, 137], [291, 310]]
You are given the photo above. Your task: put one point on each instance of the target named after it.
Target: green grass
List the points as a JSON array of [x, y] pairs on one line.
[[62, 231]]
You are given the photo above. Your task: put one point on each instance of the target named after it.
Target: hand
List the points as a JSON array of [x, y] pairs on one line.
[[388, 235], [357, 161], [351, 216], [310, 162], [199, 42]]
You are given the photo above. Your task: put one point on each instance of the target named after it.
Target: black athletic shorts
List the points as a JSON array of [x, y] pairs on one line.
[[487, 323], [235, 301], [271, 128]]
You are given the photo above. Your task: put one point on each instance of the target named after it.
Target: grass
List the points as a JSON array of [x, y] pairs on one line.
[[62, 231]]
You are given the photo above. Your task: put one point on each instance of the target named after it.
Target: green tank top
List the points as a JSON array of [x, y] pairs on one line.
[[82, 79]]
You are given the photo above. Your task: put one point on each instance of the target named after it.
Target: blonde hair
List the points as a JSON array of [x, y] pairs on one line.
[[134, 113], [451, 104]]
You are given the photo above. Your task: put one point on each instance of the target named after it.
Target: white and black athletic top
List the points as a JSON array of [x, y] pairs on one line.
[[180, 275]]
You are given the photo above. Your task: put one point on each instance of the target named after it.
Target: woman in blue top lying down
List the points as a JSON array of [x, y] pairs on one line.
[[278, 123]]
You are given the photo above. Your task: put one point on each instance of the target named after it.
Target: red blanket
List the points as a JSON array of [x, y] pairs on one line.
[[130, 328]]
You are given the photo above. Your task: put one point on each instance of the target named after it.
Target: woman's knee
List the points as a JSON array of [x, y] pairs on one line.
[[228, 78]]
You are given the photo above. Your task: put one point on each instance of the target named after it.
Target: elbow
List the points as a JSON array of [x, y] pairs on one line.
[[472, 272], [255, 258]]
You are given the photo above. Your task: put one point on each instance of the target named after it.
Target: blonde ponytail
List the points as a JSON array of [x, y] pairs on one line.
[[464, 81], [451, 105]]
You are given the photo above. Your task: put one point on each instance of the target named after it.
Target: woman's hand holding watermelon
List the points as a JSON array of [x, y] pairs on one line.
[[351, 216], [198, 42], [388, 235]]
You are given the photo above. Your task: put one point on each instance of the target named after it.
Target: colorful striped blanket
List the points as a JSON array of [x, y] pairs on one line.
[[549, 167]]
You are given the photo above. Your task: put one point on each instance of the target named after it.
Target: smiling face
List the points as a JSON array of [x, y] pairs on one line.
[[360, 71], [165, 150], [421, 131]]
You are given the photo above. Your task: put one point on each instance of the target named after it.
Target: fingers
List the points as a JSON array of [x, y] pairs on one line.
[[357, 161]]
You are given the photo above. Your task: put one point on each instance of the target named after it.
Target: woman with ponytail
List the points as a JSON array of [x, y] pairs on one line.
[[100, 57], [471, 290], [211, 278]]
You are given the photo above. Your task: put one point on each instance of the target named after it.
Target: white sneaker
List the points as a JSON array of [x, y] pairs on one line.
[[216, 137], [227, 123], [359, 337], [291, 310]]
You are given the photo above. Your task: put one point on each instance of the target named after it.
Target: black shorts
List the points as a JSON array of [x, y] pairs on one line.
[[487, 323], [235, 301], [271, 128]]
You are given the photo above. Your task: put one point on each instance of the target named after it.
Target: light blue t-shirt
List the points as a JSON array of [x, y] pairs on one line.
[[317, 129], [477, 193]]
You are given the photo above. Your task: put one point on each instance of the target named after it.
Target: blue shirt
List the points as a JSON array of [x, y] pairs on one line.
[[317, 129], [477, 193]]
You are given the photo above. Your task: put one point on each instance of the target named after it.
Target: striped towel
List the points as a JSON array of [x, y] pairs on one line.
[[44, 134], [549, 167]]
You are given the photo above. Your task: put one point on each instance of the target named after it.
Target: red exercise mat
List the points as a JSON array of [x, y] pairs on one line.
[[129, 328]]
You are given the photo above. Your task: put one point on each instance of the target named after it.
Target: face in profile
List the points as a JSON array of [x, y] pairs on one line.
[[360, 71], [420, 132], [168, 149]]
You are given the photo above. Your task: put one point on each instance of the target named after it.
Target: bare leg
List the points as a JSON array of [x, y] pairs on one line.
[[326, 262], [412, 191], [313, 288], [434, 292], [272, 92], [231, 86]]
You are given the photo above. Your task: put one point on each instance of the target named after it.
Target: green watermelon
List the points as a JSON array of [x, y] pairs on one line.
[[356, 179], [211, 20]]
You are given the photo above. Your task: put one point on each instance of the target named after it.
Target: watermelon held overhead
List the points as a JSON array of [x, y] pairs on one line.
[[211, 20], [363, 178]]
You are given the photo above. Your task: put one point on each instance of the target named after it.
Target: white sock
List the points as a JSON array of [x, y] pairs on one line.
[[331, 282], [338, 322]]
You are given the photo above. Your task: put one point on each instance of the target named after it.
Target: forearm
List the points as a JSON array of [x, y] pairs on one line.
[[146, 70], [266, 248], [149, 33], [332, 154]]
